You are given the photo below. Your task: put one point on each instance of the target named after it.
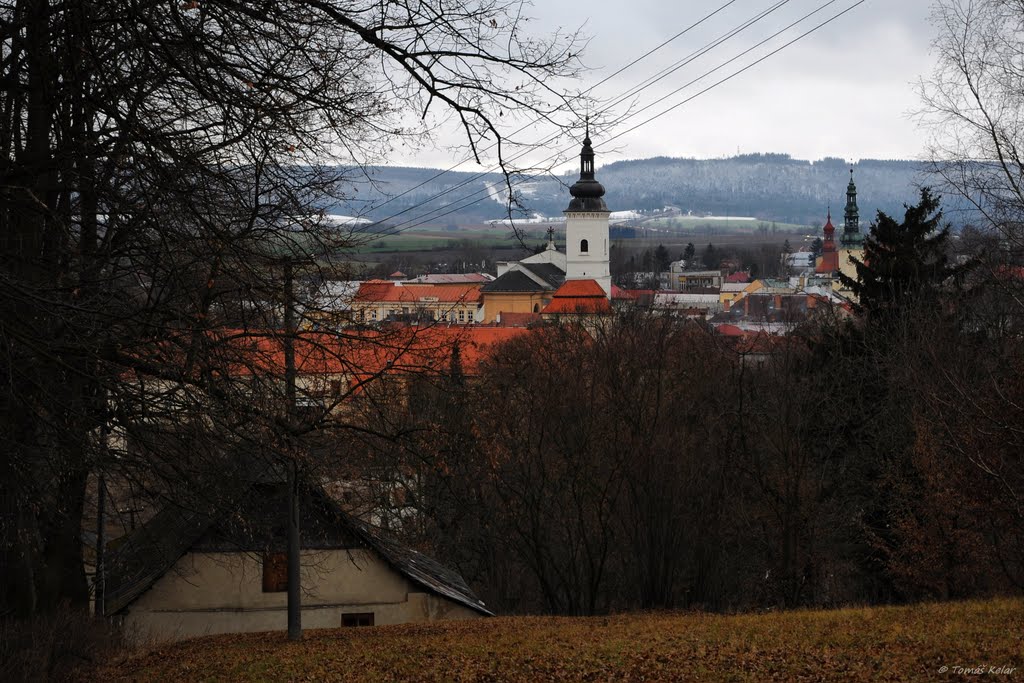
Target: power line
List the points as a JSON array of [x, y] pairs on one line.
[[415, 222], [586, 92], [748, 66], [618, 100]]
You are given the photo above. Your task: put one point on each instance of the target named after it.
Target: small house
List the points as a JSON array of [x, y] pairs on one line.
[[188, 573]]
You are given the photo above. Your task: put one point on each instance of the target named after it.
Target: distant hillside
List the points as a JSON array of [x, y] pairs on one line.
[[769, 186]]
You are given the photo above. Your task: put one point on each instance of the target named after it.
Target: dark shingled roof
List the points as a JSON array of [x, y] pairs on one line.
[[549, 272], [512, 281], [138, 560]]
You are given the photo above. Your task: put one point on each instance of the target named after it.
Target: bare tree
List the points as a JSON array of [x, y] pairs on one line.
[[972, 103], [161, 161]]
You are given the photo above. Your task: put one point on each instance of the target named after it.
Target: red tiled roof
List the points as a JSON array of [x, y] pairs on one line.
[[633, 294], [579, 305], [579, 296], [730, 331], [390, 292], [519, 319], [367, 353], [580, 288], [738, 276]]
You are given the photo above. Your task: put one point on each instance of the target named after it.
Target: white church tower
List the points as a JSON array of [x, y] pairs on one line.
[[586, 226]]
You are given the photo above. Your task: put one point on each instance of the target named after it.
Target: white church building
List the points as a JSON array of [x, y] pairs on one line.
[[540, 284]]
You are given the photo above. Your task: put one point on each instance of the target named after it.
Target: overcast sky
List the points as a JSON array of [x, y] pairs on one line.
[[847, 90]]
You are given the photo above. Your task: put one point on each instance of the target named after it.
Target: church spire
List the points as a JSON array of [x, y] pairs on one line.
[[852, 237], [829, 261], [586, 192]]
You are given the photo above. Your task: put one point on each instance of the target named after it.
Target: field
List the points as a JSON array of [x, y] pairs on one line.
[[423, 241], [943, 642], [431, 240], [704, 226]]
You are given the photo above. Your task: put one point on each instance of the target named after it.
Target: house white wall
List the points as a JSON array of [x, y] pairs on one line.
[[222, 592]]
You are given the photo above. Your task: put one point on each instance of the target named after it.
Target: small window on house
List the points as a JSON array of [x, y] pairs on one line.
[[536, 308], [584, 246], [275, 572], [355, 619], [335, 387], [462, 316]]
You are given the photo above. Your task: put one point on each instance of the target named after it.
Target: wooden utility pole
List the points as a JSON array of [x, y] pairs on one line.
[[294, 545], [99, 587]]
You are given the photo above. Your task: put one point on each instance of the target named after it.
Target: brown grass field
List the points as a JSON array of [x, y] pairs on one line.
[[941, 642]]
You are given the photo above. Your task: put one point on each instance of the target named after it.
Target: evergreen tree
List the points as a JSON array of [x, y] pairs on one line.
[[817, 246], [662, 258], [710, 257], [904, 263], [689, 253]]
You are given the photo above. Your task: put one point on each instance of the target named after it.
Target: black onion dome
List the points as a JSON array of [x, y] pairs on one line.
[[586, 192]]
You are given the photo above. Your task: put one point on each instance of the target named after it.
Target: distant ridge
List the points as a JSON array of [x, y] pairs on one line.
[[772, 187]]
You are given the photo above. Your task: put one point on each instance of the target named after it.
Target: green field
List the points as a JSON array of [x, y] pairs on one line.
[[938, 642], [702, 225], [679, 231], [424, 240]]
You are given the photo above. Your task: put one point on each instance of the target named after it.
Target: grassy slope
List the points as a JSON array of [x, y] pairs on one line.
[[880, 644]]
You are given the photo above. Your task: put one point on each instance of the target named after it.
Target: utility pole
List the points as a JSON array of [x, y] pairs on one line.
[[99, 589], [100, 580], [294, 545]]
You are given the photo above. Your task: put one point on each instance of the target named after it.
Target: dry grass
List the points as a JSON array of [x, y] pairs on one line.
[[878, 644]]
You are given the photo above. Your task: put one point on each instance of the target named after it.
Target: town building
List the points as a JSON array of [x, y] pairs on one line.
[[380, 300], [702, 281], [530, 286], [524, 286]]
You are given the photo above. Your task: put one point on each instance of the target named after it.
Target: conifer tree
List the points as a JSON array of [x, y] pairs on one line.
[[905, 263], [689, 253]]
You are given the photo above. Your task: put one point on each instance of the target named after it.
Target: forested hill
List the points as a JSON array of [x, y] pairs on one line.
[[768, 186]]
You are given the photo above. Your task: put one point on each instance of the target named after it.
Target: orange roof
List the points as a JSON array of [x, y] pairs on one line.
[[739, 276], [365, 353], [519, 319], [579, 296], [580, 288], [730, 331], [373, 291]]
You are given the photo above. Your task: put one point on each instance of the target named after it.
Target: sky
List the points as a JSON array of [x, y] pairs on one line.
[[847, 90]]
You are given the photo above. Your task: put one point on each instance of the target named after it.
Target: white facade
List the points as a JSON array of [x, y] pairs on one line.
[[221, 592], [586, 248]]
